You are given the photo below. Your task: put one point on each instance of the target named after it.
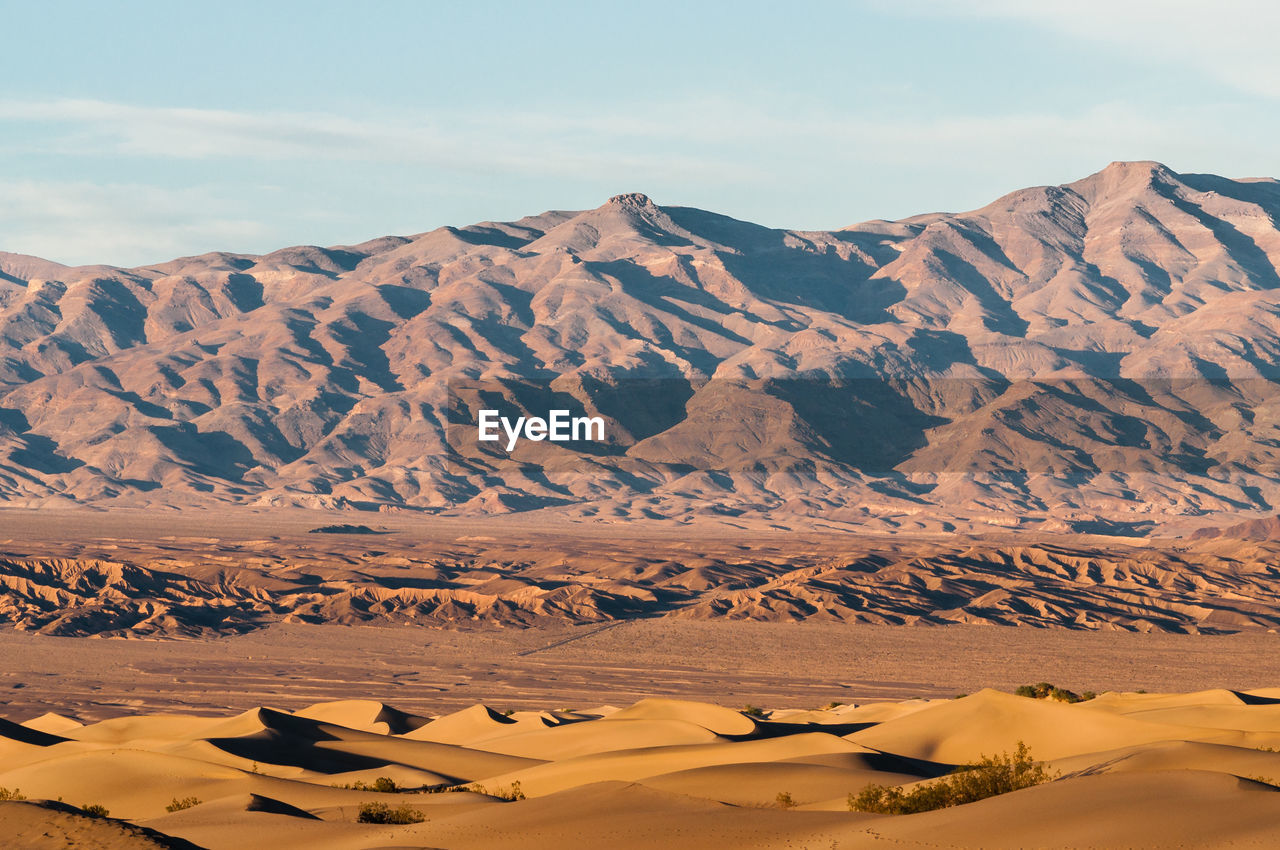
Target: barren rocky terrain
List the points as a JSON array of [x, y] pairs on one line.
[[1102, 349], [123, 573]]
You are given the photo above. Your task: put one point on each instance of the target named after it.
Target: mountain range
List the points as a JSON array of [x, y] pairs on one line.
[[1105, 351]]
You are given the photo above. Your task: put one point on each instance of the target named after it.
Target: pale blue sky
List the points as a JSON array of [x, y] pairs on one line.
[[136, 132]]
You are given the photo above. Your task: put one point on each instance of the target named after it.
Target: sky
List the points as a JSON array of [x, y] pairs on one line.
[[137, 132]]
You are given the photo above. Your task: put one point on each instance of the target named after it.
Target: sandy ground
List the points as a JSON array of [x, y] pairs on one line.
[[1124, 769], [773, 664]]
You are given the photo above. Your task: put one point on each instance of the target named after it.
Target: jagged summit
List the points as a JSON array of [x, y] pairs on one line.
[[1141, 167], [632, 200], [617, 228]]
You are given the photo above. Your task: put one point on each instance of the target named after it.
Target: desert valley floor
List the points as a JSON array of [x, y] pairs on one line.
[[241, 668]]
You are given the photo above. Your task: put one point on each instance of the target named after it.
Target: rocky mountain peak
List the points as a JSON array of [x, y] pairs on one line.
[[632, 200]]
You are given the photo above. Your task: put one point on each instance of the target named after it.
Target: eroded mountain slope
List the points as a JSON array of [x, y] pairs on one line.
[[1109, 347]]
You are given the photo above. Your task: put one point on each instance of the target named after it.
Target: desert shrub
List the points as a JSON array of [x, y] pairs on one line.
[[11, 794], [502, 792], [832, 704], [785, 800], [753, 711], [382, 813], [95, 810], [991, 776], [383, 785], [185, 803], [506, 793], [1047, 690]]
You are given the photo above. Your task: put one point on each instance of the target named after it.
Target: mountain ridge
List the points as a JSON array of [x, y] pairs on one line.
[[1108, 348]]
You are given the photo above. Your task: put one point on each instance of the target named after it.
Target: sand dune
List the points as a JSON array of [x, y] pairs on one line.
[[1241, 759], [25, 734], [364, 715], [54, 826], [1150, 809], [629, 765], [962, 730], [714, 718], [471, 724], [1122, 774], [53, 723], [757, 783], [580, 739]]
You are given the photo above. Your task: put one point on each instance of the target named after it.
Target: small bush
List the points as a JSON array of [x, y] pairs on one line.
[[11, 794], [832, 704], [382, 813], [95, 810], [185, 803], [785, 801], [1047, 690], [505, 793], [383, 785], [501, 792], [753, 711], [991, 776]]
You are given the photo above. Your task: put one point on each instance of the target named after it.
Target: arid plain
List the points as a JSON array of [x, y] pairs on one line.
[[669, 686]]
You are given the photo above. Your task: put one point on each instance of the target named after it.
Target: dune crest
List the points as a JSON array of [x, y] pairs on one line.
[[1113, 763]]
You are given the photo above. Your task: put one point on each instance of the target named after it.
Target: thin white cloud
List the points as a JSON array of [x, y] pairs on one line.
[[1233, 41], [129, 224], [796, 164], [529, 142], [678, 138], [185, 133]]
